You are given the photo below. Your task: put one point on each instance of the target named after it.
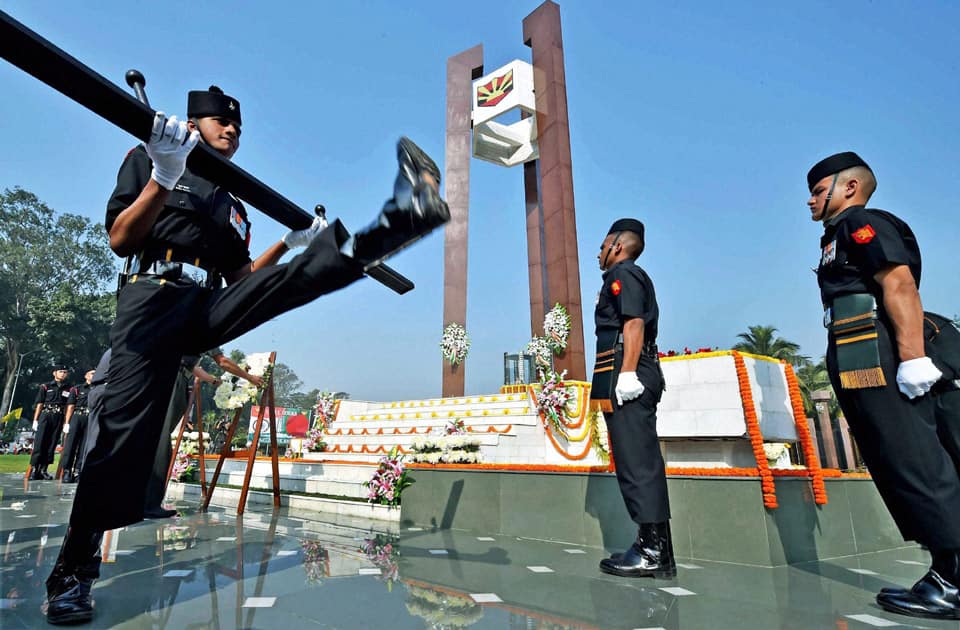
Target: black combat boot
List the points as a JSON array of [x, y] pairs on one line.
[[650, 556], [72, 578], [35, 474], [415, 210], [936, 595], [69, 477]]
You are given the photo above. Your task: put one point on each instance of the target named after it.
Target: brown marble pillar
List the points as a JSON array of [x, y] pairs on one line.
[[462, 69], [554, 269], [821, 398]]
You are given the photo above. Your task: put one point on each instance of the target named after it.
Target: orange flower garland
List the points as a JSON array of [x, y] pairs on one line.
[[588, 436], [810, 456], [753, 430]]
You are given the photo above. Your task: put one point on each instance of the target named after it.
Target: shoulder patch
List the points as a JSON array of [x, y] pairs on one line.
[[864, 235], [616, 287]]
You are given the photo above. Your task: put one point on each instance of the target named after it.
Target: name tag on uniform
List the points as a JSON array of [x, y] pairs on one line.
[[65, 394], [236, 220], [829, 253]]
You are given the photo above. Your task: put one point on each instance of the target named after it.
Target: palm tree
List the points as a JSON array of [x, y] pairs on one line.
[[812, 377], [763, 340]]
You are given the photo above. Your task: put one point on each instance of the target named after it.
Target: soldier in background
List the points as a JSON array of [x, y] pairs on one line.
[[50, 405], [75, 429]]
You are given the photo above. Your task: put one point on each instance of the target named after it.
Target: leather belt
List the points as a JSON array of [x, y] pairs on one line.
[[52, 406], [648, 350], [171, 265]]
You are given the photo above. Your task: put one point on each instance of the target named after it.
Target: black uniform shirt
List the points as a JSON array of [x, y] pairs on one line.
[[856, 245], [78, 396], [53, 393], [200, 220], [627, 293]]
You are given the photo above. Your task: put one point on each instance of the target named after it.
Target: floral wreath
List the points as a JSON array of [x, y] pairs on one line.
[[455, 343]]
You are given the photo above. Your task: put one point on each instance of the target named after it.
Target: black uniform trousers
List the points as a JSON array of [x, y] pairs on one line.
[[72, 456], [49, 426], [899, 441], [636, 454], [157, 323], [157, 486], [947, 412]]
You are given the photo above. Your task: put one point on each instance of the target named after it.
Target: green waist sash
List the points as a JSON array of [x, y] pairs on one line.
[[853, 322]]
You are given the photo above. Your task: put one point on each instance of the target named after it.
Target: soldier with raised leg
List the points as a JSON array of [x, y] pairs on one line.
[[181, 229]]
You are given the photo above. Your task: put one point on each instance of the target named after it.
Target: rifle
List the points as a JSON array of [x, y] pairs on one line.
[[38, 57]]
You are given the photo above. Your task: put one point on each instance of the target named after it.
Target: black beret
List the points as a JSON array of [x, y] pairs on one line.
[[627, 225], [833, 164], [213, 102], [59, 366]]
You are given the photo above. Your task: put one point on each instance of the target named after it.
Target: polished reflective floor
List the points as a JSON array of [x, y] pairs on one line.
[[298, 570]]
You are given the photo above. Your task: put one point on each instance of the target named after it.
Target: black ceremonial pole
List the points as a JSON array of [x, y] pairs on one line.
[[41, 59]]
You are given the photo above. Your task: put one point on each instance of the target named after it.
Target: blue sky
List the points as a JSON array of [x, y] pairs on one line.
[[701, 119]]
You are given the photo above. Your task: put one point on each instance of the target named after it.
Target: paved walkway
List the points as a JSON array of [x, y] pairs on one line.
[[292, 570]]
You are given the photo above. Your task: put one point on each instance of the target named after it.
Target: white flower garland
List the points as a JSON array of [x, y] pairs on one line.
[[541, 349], [556, 328], [455, 343]]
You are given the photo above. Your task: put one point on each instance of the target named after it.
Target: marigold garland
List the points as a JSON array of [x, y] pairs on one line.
[[753, 431], [589, 428], [810, 456]]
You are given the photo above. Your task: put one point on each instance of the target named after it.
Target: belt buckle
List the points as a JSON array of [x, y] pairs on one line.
[[827, 317], [194, 273]]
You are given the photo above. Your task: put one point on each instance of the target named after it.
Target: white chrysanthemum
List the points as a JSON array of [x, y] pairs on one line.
[[556, 327]]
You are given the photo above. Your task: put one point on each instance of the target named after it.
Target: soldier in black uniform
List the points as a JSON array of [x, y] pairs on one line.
[[75, 429], [869, 277], [175, 223], [50, 404], [628, 383]]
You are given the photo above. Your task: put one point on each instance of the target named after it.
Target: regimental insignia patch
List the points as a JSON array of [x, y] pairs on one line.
[[828, 254], [865, 234], [616, 287], [236, 220], [495, 90]]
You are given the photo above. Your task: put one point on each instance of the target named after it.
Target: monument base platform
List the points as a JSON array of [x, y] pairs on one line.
[[718, 518]]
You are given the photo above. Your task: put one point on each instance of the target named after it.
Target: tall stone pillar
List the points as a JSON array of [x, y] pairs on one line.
[[462, 69], [821, 399], [554, 269]]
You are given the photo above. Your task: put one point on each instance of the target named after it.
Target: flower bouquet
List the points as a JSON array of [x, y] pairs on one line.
[[553, 397], [556, 328], [542, 351], [325, 407], [455, 427], [389, 481], [455, 343], [314, 442]]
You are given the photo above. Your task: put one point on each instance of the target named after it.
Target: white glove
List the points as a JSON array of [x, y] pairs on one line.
[[66, 429], [35, 425], [628, 387], [916, 376], [170, 143], [302, 238]]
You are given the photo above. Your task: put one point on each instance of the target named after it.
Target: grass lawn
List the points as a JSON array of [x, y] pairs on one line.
[[20, 463]]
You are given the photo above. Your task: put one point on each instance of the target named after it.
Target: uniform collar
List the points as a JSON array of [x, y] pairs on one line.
[[627, 261], [834, 221]]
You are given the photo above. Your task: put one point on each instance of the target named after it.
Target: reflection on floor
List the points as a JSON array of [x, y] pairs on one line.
[[286, 570]]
